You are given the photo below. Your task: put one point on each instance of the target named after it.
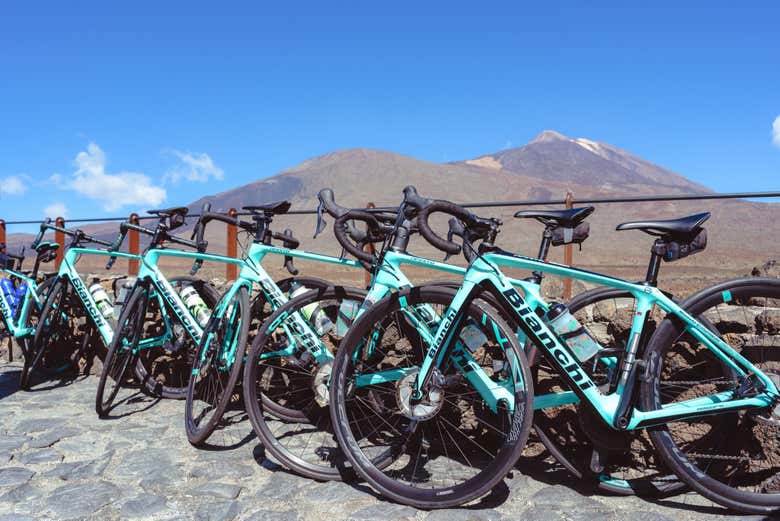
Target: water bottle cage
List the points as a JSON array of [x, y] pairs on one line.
[[573, 334]]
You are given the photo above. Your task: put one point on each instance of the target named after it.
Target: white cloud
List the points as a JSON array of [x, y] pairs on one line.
[[193, 166], [776, 132], [55, 210], [113, 190], [12, 185]]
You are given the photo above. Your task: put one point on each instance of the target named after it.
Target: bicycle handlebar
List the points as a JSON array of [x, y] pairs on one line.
[[376, 231]]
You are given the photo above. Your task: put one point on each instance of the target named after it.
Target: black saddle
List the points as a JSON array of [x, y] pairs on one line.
[[275, 208], [167, 212], [566, 218], [675, 228]]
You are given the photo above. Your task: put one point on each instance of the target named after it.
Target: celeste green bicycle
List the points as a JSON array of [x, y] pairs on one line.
[[444, 427]]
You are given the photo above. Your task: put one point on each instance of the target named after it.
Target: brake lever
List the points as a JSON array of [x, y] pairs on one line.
[[321, 224]]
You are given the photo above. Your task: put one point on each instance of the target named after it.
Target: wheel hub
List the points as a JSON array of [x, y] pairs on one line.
[[425, 407]]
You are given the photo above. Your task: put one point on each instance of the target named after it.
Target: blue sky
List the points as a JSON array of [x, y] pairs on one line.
[[109, 107]]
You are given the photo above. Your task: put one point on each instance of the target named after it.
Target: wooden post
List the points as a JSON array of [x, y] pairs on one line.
[[59, 237], [568, 254], [134, 246], [370, 249], [231, 270]]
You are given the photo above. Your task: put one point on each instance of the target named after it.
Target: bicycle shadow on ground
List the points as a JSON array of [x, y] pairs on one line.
[[9, 381], [133, 402], [233, 432], [40, 383]]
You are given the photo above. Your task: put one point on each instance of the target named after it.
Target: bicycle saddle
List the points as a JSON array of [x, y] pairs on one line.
[[674, 227], [47, 246], [567, 218], [275, 208], [167, 212]]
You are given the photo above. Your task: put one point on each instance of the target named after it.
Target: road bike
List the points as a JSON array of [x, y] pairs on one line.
[[447, 427], [60, 338], [217, 366], [21, 301], [286, 383]]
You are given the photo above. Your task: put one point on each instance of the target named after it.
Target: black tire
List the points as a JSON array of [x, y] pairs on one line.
[[120, 357], [501, 436], [732, 458], [165, 374], [575, 436], [211, 383], [301, 437], [52, 347]]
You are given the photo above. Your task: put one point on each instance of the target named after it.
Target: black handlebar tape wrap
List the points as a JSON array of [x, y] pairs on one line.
[[340, 229], [457, 228], [411, 197], [448, 208], [328, 201]]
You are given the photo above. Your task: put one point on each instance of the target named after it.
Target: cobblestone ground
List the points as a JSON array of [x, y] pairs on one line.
[[58, 460]]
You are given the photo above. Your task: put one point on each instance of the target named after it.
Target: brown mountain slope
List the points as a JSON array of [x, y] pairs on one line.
[[544, 169]]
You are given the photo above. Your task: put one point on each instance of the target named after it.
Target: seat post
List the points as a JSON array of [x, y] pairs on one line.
[[544, 247], [652, 269]]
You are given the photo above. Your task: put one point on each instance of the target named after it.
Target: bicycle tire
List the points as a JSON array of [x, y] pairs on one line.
[[680, 449], [309, 418], [120, 354], [206, 370], [379, 471], [630, 467]]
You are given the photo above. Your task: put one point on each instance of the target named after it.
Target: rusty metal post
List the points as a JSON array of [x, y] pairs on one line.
[[370, 249], [231, 270], [134, 246], [59, 238], [2, 236], [568, 253]]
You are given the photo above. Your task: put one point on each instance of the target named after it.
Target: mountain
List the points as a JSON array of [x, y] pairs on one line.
[[555, 157], [544, 169]]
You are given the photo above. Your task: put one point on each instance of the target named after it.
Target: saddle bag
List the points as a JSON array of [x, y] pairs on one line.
[[673, 250], [576, 235]]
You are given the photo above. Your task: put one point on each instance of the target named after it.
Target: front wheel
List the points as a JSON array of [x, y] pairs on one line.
[[53, 345], [464, 434], [217, 366], [731, 458], [286, 388], [122, 351]]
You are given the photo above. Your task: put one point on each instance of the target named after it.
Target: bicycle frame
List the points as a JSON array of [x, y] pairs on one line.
[[390, 278], [16, 322], [484, 273]]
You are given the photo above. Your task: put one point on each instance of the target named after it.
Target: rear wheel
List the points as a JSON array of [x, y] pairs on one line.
[[732, 458], [619, 462], [163, 370], [122, 351]]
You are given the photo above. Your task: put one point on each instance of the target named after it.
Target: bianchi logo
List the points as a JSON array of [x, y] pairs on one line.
[[184, 316], [560, 354], [83, 293]]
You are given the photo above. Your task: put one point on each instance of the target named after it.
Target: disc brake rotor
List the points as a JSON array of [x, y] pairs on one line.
[[424, 409]]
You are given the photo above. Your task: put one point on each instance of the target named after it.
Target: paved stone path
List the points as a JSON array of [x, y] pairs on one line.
[[58, 460]]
